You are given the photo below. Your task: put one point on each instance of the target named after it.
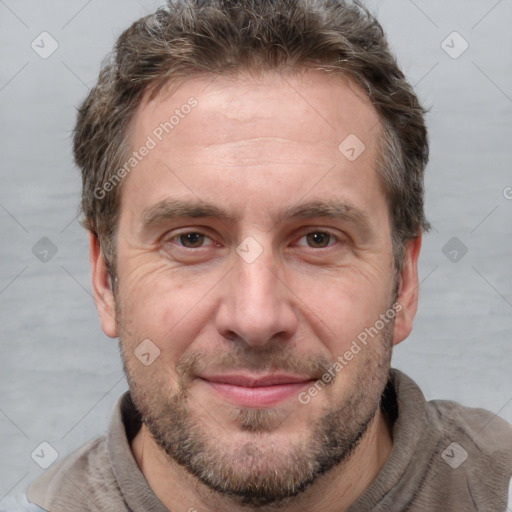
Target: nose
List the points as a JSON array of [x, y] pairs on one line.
[[257, 304]]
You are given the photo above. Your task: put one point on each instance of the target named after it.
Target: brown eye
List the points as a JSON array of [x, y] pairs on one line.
[[319, 239], [191, 240]]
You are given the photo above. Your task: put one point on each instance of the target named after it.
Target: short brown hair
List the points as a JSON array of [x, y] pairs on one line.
[[217, 37]]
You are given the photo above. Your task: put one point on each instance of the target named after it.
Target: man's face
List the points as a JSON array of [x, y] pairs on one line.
[[252, 251]]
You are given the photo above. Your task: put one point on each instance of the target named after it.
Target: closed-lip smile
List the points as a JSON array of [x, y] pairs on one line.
[[254, 390]]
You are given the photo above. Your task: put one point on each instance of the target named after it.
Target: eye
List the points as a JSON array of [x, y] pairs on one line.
[[317, 239], [192, 240], [188, 247]]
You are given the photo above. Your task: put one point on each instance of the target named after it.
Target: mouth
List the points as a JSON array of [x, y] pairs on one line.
[[257, 391]]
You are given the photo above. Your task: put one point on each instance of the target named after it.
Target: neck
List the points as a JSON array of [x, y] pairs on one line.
[[334, 491]]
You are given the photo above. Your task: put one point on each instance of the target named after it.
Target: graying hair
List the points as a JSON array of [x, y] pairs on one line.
[[220, 37]]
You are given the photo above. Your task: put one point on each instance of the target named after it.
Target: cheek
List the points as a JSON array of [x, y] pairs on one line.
[[164, 306], [339, 306]]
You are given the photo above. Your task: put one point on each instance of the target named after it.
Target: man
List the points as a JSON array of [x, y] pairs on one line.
[[253, 190]]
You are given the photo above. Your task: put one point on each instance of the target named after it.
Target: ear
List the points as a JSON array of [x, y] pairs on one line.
[[101, 287], [407, 296]]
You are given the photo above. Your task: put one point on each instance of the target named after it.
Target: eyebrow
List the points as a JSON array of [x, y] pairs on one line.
[[169, 209], [334, 209]]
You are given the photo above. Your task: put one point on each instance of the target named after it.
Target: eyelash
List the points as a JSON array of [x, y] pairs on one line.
[[175, 239]]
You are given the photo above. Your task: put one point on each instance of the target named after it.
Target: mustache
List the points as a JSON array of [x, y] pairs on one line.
[[196, 362]]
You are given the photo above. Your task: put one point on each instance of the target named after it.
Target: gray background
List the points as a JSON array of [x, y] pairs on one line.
[[60, 375]]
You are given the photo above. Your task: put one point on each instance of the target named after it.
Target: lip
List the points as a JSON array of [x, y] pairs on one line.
[[255, 390]]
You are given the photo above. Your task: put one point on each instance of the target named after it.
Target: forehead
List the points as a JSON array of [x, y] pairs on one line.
[[275, 135], [330, 105]]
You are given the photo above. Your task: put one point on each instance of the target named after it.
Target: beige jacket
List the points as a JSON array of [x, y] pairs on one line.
[[445, 458]]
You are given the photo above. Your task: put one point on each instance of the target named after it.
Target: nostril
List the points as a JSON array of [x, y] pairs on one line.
[[231, 336]]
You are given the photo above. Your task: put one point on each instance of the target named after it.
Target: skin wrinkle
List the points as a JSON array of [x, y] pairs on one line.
[[295, 308], [264, 135], [192, 452], [169, 210], [321, 50]]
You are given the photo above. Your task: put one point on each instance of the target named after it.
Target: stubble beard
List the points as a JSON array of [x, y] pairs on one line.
[[263, 470]]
